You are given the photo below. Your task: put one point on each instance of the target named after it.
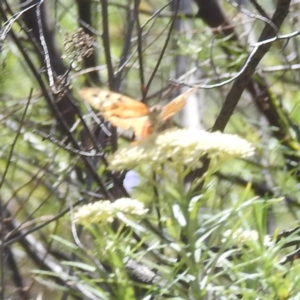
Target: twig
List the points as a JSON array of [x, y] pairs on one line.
[[66, 147], [165, 45], [45, 49], [8, 163], [261, 48], [9, 23]]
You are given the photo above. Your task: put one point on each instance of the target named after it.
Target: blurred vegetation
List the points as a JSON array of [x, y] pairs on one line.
[[226, 230]]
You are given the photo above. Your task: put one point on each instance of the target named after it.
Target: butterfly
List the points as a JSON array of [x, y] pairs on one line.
[[126, 113]]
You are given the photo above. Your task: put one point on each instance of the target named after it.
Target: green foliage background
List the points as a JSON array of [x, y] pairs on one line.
[[45, 174]]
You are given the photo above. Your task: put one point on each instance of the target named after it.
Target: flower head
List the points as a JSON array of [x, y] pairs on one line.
[[105, 211], [97, 212], [241, 236], [129, 206], [185, 146]]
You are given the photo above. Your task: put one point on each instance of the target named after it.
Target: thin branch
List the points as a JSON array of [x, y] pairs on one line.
[[10, 22], [106, 43], [241, 82], [45, 49], [2, 213], [126, 47], [66, 147], [17, 278], [163, 50], [140, 48]]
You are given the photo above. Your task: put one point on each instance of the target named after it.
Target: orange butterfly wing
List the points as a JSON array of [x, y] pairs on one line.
[[176, 104], [121, 111], [127, 113], [141, 126], [113, 104]]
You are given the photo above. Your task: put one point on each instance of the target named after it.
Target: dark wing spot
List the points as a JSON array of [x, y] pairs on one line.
[[156, 109]]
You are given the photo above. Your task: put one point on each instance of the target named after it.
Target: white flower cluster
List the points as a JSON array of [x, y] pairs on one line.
[[105, 211], [185, 146], [242, 236]]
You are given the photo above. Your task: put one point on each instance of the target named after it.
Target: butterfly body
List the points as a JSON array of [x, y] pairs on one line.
[[127, 113]]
